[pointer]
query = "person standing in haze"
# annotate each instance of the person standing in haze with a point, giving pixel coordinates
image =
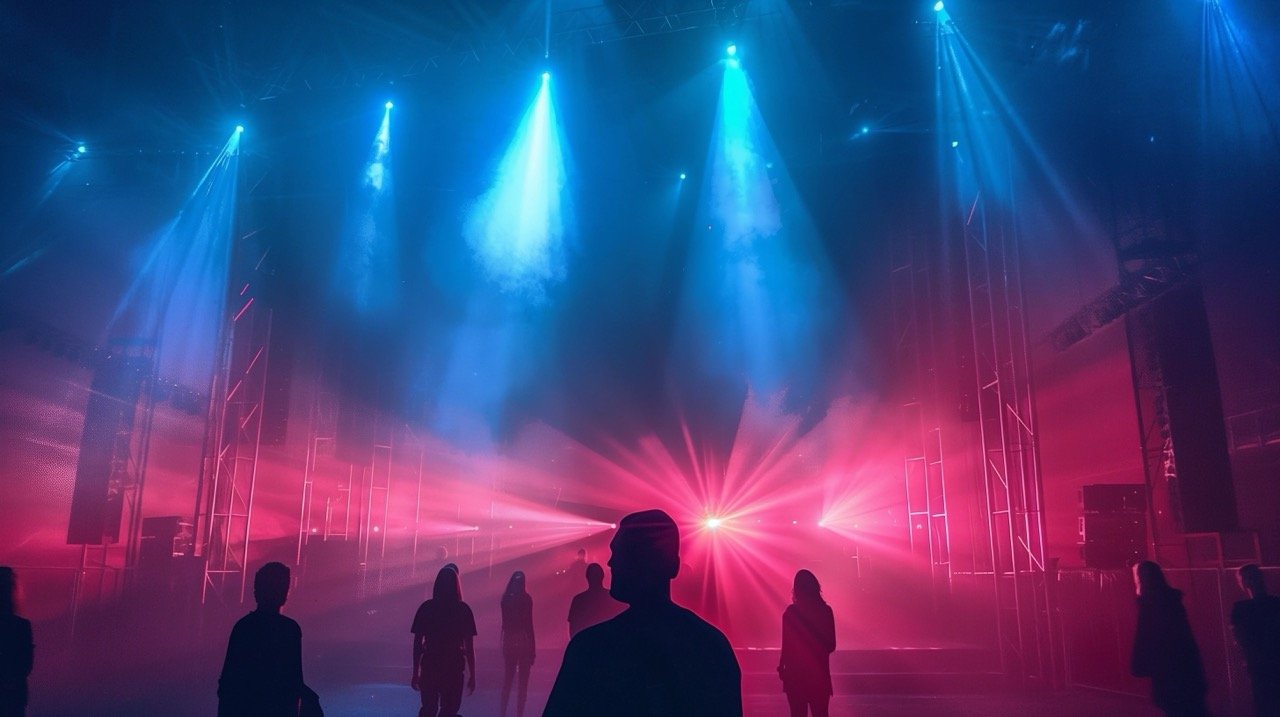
(593, 605)
(808, 639)
(1256, 624)
(17, 648)
(262, 673)
(1164, 648)
(656, 659)
(444, 631)
(518, 647)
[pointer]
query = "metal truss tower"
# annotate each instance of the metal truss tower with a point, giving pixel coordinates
(915, 349)
(224, 514)
(1008, 441)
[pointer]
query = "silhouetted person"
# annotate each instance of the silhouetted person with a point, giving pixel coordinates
(1256, 624)
(1164, 648)
(17, 649)
(593, 605)
(444, 630)
(262, 675)
(656, 658)
(518, 647)
(808, 639)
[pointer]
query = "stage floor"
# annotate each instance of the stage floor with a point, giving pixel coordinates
(393, 699)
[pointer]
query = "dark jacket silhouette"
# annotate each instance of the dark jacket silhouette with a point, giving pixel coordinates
(262, 673)
(1164, 648)
(808, 639)
(443, 650)
(1256, 624)
(17, 649)
(655, 659)
(593, 605)
(518, 645)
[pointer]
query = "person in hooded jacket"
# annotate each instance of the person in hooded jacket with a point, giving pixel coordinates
(1164, 649)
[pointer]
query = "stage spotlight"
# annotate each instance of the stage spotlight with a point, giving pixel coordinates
(712, 523)
(389, 104)
(731, 50)
(865, 129)
(239, 129)
(546, 76)
(81, 149)
(955, 143)
(938, 6)
(683, 175)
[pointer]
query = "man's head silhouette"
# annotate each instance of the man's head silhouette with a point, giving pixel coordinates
(595, 575)
(1252, 580)
(271, 586)
(645, 559)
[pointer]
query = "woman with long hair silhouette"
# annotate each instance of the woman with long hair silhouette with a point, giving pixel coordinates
(808, 639)
(1164, 648)
(518, 648)
(443, 647)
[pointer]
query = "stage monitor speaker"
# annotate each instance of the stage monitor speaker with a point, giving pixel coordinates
(1205, 496)
(1114, 524)
(97, 499)
(163, 538)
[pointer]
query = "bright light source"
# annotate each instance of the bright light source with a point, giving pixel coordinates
(81, 149)
(389, 104)
(712, 523)
(938, 6)
(731, 50)
(865, 129)
(683, 175)
(239, 128)
(546, 76)
(955, 143)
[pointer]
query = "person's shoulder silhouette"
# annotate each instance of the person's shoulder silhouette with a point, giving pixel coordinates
(655, 658)
(262, 673)
(17, 648)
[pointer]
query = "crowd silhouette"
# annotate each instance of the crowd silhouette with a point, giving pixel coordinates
(633, 651)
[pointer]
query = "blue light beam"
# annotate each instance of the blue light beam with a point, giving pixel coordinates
(368, 259)
(178, 298)
(1239, 92)
(759, 292)
(517, 228)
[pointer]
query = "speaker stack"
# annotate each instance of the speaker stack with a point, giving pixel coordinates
(1114, 525)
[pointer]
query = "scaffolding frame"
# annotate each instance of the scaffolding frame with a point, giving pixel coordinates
(924, 472)
(224, 514)
(1009, 442)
